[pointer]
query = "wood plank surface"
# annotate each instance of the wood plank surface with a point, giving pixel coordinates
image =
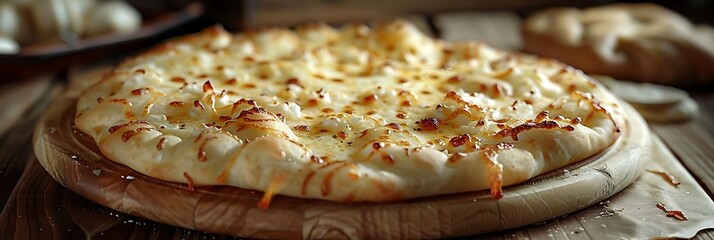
(32, 97)
(693, 141)
(41, 208)
(498, 29)
(19, 96)
(46, 210)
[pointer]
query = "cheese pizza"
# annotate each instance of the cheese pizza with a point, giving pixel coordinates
(348, 114)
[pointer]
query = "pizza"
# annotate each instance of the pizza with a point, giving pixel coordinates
(350, 114)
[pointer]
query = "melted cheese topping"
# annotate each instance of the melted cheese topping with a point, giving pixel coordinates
(359, 97)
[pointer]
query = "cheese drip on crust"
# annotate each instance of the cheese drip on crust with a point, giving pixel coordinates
(345, 114)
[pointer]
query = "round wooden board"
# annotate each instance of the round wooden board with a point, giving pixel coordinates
(75, 161)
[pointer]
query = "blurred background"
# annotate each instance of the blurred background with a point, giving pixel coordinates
(276, 12)
(56, 33)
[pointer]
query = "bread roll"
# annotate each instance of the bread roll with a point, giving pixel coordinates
(76, 10)
(51, 18)
(8, 46)
(642, 42)
(112, 16)
(13, 24)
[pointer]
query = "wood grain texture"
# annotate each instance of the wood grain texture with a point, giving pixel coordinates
(705, 235)
(41, 208)
(74, 161)
(16, 126)
(693, 141)
(705, 170)
(497, 29)
(17, 98)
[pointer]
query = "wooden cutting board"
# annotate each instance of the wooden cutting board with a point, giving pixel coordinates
(75, 161)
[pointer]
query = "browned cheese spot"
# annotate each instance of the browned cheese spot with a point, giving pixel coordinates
(325, 188)
(140, 91)
(201, 153)
(188, 178)
(456, 79)
(312, 102)
(302, 128)
(294, 81)
(513, 132)
(388, 159)
(207, 87)
(202, 156)
(363, 133)
(341, 135)
(303, 188)
(378, 145)
(429, 124)
(161, 144)
(178, 80)
(394, 126)
(131, 133)
(198, 104)
(176, 104)
(316, 159)
(120, 101)
(460, 140)
(572, 88)
(370, 99)
(115, 128)
(541, 116)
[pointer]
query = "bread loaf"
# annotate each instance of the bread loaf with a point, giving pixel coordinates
(642, 42)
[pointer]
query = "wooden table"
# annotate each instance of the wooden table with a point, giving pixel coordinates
(34, 206)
